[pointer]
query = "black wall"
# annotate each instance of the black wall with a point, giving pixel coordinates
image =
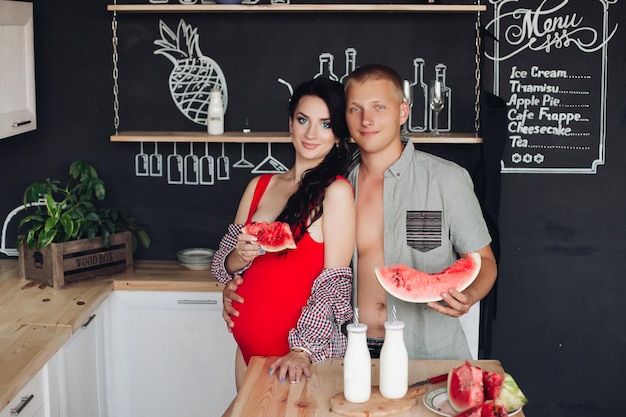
(558, 325)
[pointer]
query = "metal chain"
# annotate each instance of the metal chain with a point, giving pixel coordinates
(116, 101)
(477, 76)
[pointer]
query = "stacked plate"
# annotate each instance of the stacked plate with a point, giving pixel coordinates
(195, 258)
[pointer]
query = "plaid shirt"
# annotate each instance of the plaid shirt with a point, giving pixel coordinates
(319, 327)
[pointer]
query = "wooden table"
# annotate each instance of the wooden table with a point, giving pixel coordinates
(263, 395)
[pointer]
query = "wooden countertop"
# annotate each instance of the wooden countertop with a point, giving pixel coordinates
(263, 395)
(36, 321)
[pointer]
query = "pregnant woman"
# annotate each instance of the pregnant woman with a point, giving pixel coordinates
(296, 300)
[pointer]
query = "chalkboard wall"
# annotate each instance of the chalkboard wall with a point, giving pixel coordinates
(558, 326)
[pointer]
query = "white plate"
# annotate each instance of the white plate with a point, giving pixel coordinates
(195, 267)
(437, 402)
(195, 258)
(195, 253)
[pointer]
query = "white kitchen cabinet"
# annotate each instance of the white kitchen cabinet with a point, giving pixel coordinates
(17, 68)
(169, 354)
(76, 372)
(31, 401)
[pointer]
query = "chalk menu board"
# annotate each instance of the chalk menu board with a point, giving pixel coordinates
(549, 63)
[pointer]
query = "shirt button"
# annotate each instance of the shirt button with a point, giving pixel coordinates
(398, 174)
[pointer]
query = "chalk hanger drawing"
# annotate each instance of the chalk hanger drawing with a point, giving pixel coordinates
(194, 74)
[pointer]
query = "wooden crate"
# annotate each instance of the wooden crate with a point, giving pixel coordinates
(62, 263)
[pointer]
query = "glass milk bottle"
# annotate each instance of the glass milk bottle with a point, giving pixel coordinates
(394, 362)
(215, 116)
(357, 366)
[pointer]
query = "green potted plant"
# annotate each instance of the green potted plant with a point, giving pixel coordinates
(98, 240)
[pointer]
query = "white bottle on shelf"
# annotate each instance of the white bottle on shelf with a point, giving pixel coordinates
(215, 116)
(357, 366)
(394, 362)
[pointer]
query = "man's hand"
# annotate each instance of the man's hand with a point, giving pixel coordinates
(228, 296)
(454, 303)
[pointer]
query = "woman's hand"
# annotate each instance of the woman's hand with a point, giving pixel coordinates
(293, 365)
(247, 248)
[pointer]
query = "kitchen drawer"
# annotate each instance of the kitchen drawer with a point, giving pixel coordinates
(30, 401)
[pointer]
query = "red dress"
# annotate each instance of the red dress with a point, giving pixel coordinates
(275, 288)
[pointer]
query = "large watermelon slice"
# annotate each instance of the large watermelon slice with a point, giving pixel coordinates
(272, 237)
(415, 286)
(465, 387)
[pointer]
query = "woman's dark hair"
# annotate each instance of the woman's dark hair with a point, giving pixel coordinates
(307, 200)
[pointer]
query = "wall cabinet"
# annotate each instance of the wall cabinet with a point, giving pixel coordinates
(263, 137)
(169, 354)
(17, 68)
(76, 373)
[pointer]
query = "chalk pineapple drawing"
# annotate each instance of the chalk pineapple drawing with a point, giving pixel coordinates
(193, 75)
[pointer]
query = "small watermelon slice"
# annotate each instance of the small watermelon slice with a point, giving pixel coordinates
(415, 286)
(272, 237)
(465, 387)
(492, 383)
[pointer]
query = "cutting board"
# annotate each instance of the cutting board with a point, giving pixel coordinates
(377, 405)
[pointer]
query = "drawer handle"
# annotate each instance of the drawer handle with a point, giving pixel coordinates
(22, 123)
(85, 324)
(25, 400)
(197, 301)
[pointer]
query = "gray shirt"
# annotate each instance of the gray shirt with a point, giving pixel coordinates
(431, 215)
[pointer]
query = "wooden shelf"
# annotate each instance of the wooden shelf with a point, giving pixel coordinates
(295, 8)
(265, 137)
(283, 137)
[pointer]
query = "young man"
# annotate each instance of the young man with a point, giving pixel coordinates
(412, 208)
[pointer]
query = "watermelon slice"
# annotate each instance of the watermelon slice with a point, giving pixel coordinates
(272, 237)
(511, 396)
(486, 409)
(492, 383)
(465, 387)
(415, 286)
(499, 394)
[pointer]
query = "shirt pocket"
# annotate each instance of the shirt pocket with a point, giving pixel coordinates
(423, 230)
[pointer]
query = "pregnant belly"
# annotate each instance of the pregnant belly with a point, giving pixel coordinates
(266, 317)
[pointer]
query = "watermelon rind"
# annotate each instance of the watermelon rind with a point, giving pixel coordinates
(414, 286)
(271, 237)
(511, 397)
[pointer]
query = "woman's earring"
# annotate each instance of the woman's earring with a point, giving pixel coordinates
(337, 144)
